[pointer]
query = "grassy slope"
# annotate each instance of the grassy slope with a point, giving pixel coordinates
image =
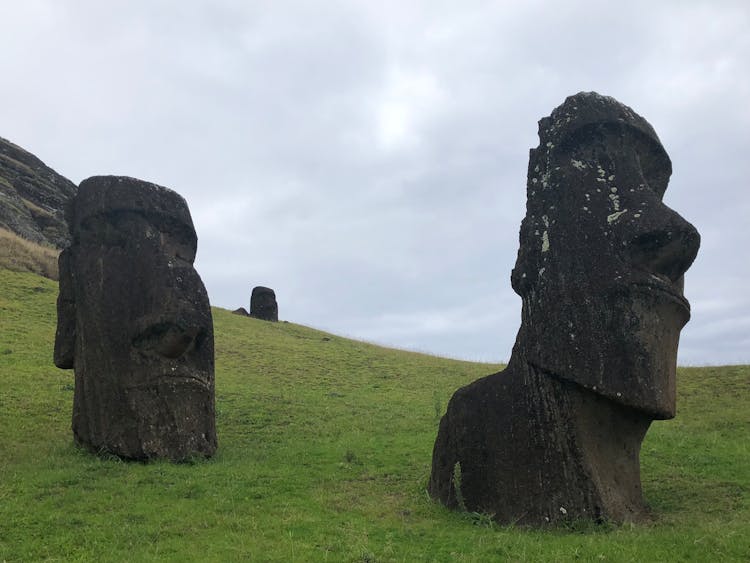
(324, 454)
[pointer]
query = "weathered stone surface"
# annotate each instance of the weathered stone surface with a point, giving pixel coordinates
(241, 311)
(134, 322)
(263, 304)
(32, 197)
(557, 434)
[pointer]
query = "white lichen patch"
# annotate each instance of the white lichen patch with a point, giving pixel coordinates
(611, 178)
(541, 271)
(579, 164)
(615, 216)
(545, 234)
(600, 171)
(615, 199)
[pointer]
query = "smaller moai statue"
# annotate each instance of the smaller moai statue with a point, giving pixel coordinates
(263, 304)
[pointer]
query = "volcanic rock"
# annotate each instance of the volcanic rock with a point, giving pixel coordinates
(32, 197)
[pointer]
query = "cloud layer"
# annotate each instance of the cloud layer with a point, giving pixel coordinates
(368, 160)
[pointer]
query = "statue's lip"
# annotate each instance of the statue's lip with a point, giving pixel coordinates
(180, 371)
(177, 376)
(182, 377)
(664, 286)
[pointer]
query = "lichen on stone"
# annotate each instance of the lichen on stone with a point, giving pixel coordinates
(615, 216)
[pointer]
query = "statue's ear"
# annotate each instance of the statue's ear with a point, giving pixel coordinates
(525, 274)
(65, 337)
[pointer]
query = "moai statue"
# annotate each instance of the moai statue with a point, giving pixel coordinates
(135, 324)
(557, 434)
(263, 304)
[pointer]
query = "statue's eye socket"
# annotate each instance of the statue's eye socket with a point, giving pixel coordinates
(179, 245)
(100, 230)
(178, 240)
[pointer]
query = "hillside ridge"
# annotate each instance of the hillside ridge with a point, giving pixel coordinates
(32, 197)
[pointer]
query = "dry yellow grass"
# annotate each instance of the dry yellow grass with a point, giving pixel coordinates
(21, 255)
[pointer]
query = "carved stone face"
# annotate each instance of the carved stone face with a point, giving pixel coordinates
(602, 257)
(143, 338)
(263, 304)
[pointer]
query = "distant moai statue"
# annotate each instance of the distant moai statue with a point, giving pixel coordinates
(263, 304)
(134, 323)
(557, 434)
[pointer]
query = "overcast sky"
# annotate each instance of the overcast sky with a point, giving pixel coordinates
(367, 160)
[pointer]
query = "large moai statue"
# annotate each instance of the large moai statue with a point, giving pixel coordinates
(263, 304)
(557, 434)
(134, 323)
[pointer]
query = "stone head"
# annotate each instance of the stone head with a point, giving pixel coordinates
(134, 322)
(601, 258)
(263, 304)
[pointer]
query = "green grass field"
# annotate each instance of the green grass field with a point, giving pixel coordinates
(324, 454)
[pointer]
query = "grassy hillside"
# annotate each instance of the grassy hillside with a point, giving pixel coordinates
(324, 454)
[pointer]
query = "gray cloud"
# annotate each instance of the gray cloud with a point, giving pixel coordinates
(368, 160)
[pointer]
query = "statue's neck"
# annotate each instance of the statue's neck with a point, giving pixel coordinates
(599, 436)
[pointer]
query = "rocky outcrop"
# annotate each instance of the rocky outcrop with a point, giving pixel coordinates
(32, 197)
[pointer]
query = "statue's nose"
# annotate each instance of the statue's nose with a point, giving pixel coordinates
(666, 248)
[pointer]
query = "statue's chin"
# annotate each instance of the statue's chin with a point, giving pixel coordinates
(622, 346)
